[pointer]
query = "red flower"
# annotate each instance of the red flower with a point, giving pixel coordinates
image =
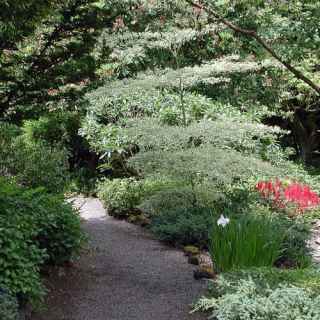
(282, 196)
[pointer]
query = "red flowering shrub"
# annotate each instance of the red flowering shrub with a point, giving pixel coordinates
(288, 195)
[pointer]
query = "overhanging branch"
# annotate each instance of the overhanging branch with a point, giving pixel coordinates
(253, 34)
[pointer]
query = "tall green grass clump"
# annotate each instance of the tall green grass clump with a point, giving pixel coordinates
(245, 241)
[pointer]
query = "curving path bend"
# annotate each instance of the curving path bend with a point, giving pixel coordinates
(125, 275)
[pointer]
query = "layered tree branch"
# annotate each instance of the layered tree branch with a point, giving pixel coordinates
(67, 14)
(253, 34)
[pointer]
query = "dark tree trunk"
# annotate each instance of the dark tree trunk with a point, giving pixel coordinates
(306, 130)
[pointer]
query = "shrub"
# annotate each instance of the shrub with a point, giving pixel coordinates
(36, 228)
(293, 197)
(59, 229)
(59, 130)
(245, 299)
(245, 241)
(266, 278)
(120, 195)
(118, 104)
(181, 214)
(8, 306)
(33, 164)
(168, 200)
(170, 116)
(163, 195)
(246, 137)
(55, 128)
(184, 226)
(295, 250)
(173, 208)
(219, 167)
(8, 132)
(38, 165)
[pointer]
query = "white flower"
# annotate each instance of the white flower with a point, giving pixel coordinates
(223, 221)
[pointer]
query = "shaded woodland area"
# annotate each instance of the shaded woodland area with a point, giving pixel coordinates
(195, 119)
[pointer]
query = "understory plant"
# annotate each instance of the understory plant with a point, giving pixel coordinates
(245, 241)
(266, 277)
(295, 250)
(37, 229)
(249, 298)
(32, 163)
(184, 226)
(8, 306)
(120, 195)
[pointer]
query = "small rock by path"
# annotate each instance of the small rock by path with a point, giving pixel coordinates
(126, 275)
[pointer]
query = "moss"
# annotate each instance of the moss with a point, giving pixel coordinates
(191, 250)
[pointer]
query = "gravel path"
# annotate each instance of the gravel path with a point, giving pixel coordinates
(125, 275)
(314, 242)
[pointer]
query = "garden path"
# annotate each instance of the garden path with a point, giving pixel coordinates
(125, 275)
(315, 242)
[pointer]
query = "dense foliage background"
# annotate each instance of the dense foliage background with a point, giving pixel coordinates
(171, 111)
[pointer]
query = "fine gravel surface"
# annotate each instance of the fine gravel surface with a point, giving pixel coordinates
(124, 275)
(314, 243)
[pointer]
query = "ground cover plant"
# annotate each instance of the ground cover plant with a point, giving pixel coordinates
(264, 295)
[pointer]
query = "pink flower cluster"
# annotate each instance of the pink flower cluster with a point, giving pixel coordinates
(284, 195)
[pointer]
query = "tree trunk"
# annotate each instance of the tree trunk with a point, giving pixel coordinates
(306, 131)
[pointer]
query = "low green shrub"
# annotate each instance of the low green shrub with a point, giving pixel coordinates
(245, 137)
(36, 228)
(54, 128)
(20, 257)
(245, 241)
(184, 226)
(245, 299)
(59, 131)
(8, 132)
(165, 201)
(268, 278)
(183, 215)
(171, 116)
(173, 208)
(218, 167)
(8, 306)
(162, 194)
(295, 251)
(120, 195)
(39, 165)
(33, 164)
(58, 228)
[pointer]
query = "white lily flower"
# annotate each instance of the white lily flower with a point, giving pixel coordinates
(223, 221)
